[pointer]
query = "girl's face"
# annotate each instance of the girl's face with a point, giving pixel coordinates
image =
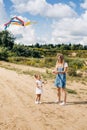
(60, 59)
(39, 77)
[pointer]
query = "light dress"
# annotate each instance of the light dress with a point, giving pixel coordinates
(60, 80)
(39, 89)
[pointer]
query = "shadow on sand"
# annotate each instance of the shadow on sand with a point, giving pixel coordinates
(69, 103)
(77, 102)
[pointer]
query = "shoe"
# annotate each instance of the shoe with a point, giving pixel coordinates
(39, 102)
(56, 101)
(62, 104)
(36, 102)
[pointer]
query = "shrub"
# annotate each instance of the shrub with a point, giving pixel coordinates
(76, 64)
(72, 72)
(70, 91)
(3, 53)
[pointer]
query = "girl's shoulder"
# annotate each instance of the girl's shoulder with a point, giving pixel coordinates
(38, 81)
(65, 64)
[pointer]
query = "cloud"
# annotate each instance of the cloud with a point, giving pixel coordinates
(84, 5)
(3, 16)
(60, 11)
(72, 4)
(64, 24)
(43, 8)
(24, 35)
(72, 30)
(3, 13)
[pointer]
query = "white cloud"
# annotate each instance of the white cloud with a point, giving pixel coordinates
(3, 15)
(72, 4)
(24, 35)
(32, 6)
(84, 4)
(1, 1)
(66, 27)
(70, 30)
(43, 8)
(60, 11)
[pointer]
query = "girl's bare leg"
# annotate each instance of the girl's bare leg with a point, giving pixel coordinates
(59, 94)
(64, 94)
(39, 98)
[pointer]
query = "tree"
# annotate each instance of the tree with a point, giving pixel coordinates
(21, 50)
(36, 54)
(37, 45)
(7, 39)
(3, 53)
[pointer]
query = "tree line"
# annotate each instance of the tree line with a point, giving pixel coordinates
(8, 47)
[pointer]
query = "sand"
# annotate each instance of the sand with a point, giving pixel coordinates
(19, 112)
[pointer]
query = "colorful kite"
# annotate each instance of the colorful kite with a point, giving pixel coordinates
(17, 21)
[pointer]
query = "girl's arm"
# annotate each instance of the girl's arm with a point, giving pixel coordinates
(65, 70)
(55, 71)
(44, 82)
(37, 85)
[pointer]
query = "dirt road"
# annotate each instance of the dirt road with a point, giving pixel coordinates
(19, 112)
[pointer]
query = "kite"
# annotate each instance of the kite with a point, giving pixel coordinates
(17, 21)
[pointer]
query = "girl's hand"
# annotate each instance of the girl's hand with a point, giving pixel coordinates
(44, 82)
(55, 72)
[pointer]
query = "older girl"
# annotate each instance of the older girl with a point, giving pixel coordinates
(60, 81)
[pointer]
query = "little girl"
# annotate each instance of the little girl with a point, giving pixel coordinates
(39, 88)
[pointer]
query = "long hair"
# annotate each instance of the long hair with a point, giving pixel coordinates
(61, 57)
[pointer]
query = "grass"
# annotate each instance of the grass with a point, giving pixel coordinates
(36, 62)
(70, 91)
(82, 80)
(10, 68)
(46, 75)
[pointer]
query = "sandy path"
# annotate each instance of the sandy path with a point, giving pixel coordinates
(22, 67)
(18, 111)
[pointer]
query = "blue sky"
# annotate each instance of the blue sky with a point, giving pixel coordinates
(58, 21)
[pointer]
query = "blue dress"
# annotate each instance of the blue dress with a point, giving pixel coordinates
(60, 80)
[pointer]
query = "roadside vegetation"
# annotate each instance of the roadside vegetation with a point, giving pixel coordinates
(44, 56)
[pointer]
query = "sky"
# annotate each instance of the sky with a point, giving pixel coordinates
(57, 21)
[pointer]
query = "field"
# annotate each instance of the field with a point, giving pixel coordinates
(19, 112)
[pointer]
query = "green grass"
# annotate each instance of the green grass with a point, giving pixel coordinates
(70, 91)
(46, 75)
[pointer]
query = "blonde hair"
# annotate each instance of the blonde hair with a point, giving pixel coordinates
(61, 57)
